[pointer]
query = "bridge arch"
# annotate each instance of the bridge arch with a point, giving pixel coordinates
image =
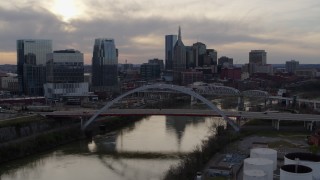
(163, 86)
(211, 89)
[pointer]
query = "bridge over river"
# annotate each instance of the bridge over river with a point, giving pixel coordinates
(309, 119)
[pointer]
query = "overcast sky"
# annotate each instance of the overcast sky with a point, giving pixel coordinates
(286, 29)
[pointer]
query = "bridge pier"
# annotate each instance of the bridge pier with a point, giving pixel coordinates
(238, 120)
(240, 103)
(193, 101)
(276, 124)
(308, 125)
(314, 105)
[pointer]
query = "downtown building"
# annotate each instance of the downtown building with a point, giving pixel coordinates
(292, 66)
(104, 65)
(31, 65)
(189, 59)
(225, 61)
(179, 59)
(258, 63)
(65, 75)
(170, 41)
(150, 71)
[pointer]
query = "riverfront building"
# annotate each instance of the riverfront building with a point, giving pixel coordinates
(104, 64)
(31, 61)
(65, 74)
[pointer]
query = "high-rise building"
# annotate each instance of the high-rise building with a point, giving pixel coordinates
(150, 71)
(199, 53)
(179, 59)
(258, 57)
(292, 66)
(157, 61)
(170, 42)
(225, 61)
(104, 64)
(31, 60)
(210, 58)
(65, 74)
(189, 58)
(34, 76)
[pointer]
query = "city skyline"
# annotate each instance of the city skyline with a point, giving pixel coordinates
(286, 30)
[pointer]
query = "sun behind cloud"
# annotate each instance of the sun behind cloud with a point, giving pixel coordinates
(66, 9)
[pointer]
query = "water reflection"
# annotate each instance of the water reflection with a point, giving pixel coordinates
(126, 154)
(179, 124)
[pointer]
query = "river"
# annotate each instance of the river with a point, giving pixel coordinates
(142, 151)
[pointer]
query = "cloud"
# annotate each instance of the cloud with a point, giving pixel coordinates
(233, 28)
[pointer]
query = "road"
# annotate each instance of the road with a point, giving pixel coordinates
(188, 112)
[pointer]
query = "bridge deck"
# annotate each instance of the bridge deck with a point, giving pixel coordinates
(187, 112)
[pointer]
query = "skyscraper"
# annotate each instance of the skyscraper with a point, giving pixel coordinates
(170, 42)
(258, 57)
(104, 63)
(31, 60)
(65, 74)
(199, 52)
(179, 59)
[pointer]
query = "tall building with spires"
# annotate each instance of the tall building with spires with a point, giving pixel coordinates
(104, 64)
(179, 59)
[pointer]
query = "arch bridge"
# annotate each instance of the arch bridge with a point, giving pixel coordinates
(212, 89)
(181, 89)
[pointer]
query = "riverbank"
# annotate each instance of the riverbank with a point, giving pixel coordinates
(196, 160)
(227, 143)
(24, 137)
(233, 154)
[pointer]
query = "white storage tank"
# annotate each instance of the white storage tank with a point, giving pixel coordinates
(254, 174)
(306, 159)
(265, 153)
(295, 172)
(263, 164)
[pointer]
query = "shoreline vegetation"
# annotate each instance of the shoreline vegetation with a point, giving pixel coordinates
(196, 160)
(45, 140)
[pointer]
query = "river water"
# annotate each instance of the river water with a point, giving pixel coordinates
(143, 151)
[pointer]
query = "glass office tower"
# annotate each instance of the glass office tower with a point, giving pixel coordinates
(170, 42)
(31, 60)
(104, 63)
